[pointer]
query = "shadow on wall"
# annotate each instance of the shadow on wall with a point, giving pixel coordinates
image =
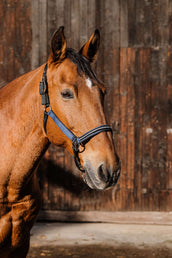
(63, 188)
(58, 177)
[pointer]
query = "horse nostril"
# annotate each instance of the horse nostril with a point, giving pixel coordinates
(103, 173)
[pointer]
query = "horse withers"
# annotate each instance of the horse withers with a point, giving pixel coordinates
(61, 103)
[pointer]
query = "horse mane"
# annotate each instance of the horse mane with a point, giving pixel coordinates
(82, 63)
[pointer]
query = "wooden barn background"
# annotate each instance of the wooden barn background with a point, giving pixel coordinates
(135, 62)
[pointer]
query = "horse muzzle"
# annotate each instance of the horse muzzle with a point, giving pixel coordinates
(102, 178)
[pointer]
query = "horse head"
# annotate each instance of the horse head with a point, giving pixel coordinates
(76, 97)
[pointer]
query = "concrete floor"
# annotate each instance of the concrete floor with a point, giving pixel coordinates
(96, 233)
(111, 240)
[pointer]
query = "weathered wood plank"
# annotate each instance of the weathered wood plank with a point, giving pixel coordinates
(52, 24)
(169, 120)
(169, 22)
(67, 21)
(147, 7)
(138, 88)
(75, 22)
(91, 16)
(83, 20)
(131, 23)
(130, 119)
(35, 34)
(111, 68)
(15, 42)
(123, 118)
(124, 23)
(43, 30)
(156, 110)
(99, 25)
(163, 22)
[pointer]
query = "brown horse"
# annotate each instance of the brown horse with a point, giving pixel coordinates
(72, 89)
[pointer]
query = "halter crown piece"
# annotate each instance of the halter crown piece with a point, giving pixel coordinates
(76, 141)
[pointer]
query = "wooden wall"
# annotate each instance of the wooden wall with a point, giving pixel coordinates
(135, 62)
(15, 39)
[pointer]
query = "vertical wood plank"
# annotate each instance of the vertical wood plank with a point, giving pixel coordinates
(138, 128)
(139, 23)
(35, 34)
(111, 53)
(131, 22)
(75, 21)
(52, 25)
(67, 21)
(83, 19)
(123, 23)
(99, 21)
(147, 23)
(123, 119)
(169, 120)
(43, 55)
(169, 22)
(91, 16)
(59, 13)
(15, 41)
(160, 22)
(163, 22)
(163, 117)
(130, 120)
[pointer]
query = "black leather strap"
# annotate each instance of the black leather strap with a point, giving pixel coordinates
(43, 89)
(45, 121)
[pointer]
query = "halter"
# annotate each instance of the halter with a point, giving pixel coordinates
(76, 141)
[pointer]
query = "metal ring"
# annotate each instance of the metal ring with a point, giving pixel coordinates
(45, 108)
(83, 148)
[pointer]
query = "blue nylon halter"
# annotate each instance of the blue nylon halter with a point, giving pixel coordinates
(76, 141)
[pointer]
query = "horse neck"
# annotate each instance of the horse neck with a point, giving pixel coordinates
(23, 113)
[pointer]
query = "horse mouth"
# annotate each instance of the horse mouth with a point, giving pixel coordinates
(91, 178)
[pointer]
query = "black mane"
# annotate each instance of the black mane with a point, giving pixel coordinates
(83, 65)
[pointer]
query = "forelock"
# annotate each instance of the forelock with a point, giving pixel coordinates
(83, 65)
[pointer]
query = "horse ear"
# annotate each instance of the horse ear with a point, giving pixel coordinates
(89, 50)
(58, 46)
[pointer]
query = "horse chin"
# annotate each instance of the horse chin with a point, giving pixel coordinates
(92, 184)
(92, 180)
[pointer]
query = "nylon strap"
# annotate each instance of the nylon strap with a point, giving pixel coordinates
(61, 126)
(87, 136)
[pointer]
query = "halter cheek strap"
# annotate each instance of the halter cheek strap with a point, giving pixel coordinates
(76, 141)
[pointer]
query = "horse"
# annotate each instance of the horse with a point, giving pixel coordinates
(60, 102)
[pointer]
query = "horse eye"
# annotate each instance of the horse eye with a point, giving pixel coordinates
(67, 94)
